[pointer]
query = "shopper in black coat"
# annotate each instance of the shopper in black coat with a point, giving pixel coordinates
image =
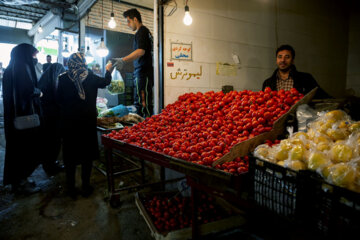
(76, 94)
(51, 119)
(22, 146)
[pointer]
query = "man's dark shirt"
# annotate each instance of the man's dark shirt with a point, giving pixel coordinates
(46, 66)
(303, 82)
(143, 40)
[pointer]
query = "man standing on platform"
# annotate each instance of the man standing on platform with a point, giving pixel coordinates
(143, 63)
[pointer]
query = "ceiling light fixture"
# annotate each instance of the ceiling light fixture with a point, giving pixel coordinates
(187, 18)
(40, 29)
(112, 22)
(88, 56)
(102, 50)
(66, 52)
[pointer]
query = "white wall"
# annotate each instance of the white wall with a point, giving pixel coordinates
(353, 65)
(253, 29)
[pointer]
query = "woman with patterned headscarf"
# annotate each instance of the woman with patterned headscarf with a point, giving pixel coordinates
(21, 97)
(76, 95)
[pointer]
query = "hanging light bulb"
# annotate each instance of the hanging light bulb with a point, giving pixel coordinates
(112, 23)
(66, 52)
(102, 50)
(187, 18)
(40, 29)
(88, 56)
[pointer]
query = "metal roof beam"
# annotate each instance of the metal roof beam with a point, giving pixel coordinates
(11, 18)
(20, 16)
(84, 6)
(26, 8)
(62, 4)
(20, 11)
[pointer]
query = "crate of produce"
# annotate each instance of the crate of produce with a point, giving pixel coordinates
(336, 210)
(279, 190)
(168, 215)
(328, 152)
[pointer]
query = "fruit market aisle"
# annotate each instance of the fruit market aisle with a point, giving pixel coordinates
(50, 214)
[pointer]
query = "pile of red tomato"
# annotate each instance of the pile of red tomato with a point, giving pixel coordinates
(202, 127)
(170, 214)
(237, 166)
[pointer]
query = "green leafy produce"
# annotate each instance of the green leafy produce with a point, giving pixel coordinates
(116, 87)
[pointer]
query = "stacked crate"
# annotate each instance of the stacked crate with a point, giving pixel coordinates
(127, 98)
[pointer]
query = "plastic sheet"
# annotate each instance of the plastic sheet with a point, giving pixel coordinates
(304, 115)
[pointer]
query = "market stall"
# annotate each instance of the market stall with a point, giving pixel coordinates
(216, 175)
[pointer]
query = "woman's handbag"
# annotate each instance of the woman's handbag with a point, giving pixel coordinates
(27, 121)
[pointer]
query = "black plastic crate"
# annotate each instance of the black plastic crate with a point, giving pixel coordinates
(281, 191)
(129, 83)
(129, 90)
(336, 210)
(129, 102)
(129, 76)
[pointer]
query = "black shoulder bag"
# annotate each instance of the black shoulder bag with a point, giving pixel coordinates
(27, 121)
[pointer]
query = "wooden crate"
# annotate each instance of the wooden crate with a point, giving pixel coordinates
(186, 233)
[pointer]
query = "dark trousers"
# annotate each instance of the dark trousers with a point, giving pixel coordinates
(70, 169)
(51, 142)
(145, 82)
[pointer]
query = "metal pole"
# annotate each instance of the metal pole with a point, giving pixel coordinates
(156, 58)
(60, 48)
(161, 56)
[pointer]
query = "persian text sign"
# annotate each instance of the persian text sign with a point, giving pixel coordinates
(181, 51)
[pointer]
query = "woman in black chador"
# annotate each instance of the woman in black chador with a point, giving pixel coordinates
(76, 94)
(21, 97)
(50, 125)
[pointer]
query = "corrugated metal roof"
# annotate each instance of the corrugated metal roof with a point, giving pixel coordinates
(32, 10)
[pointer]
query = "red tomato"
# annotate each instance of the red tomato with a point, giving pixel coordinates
(202, 127)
